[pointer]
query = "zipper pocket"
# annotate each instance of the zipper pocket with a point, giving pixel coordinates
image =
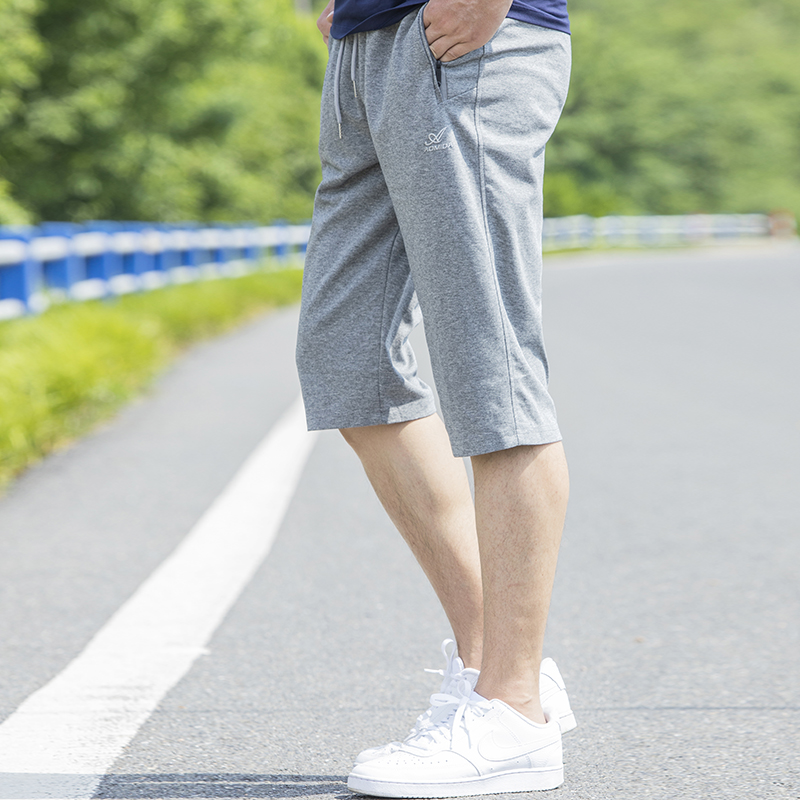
(441, 79)
(438, 70)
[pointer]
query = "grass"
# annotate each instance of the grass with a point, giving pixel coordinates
(66, 370)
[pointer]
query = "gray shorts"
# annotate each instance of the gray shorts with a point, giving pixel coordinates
(431, 203)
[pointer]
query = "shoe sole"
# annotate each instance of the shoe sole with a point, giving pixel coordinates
(501, 783)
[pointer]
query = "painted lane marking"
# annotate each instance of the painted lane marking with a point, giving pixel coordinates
(64, 737)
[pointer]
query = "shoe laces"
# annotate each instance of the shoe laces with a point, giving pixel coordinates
(454, 667)
(450, 676)
(447, 713)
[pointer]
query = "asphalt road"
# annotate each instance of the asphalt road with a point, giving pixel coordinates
(676, 613)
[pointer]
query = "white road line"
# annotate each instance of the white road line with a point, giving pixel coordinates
(64, 737)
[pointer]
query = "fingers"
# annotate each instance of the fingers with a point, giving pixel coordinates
(439, 41)
(454, 28)
(445, 47)
(325, 21)
(456, 51)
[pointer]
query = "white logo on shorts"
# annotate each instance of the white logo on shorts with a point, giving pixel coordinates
(434, 141)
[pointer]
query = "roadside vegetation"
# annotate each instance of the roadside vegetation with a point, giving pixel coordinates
(678, 108)
(73, 366)
(207, 110)
(158, 110)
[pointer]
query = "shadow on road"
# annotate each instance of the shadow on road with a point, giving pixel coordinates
(196, 784)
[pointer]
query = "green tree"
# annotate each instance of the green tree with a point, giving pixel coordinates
(21, 52)
(246, 132)
(679, 107)
(187, 109)
(208, 109)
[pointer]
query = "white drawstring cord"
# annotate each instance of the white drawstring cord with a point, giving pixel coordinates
(337, 107)
(353, 58)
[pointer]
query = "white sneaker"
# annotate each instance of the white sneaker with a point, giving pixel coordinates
(473, 746)
(552, 692)
(553, 696)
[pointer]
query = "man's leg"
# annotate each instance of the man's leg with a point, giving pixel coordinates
(425, 491)
(520, 501)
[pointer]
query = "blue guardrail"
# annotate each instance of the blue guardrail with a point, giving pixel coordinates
(59, 261)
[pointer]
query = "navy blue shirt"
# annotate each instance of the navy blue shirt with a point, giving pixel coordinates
(353, 16)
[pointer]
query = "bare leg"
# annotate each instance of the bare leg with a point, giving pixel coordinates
(425, 491)
(520, 499)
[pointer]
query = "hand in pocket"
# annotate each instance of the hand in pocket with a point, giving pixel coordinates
(454, 28)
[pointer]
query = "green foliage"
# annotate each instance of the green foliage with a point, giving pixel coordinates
(679, 107)
(74, 365)
(21, 52)
(208, 109)
(154, 110)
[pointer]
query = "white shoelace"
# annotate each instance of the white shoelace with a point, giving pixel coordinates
(449, 675)
(447, 713)
(454, 664)
(449, 695)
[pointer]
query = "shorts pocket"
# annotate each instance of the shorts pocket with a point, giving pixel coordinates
(461, 76)
(451, 78)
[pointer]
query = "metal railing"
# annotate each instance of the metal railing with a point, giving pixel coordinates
(568, 233)
(61, 261)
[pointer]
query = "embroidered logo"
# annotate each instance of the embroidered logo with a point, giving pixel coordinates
(434, 141)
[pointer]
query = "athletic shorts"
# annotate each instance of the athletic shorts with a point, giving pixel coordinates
(431, 206)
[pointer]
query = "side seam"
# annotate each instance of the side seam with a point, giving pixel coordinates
(382, 333)
(488, 236)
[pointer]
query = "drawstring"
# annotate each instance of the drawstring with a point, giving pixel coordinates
(353, 59)
(337, 71)
(337, 75)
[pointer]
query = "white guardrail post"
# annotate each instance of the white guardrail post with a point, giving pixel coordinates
(62, 261)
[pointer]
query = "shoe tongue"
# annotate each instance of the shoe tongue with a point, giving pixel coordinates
(480, 700)
(471, 675)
